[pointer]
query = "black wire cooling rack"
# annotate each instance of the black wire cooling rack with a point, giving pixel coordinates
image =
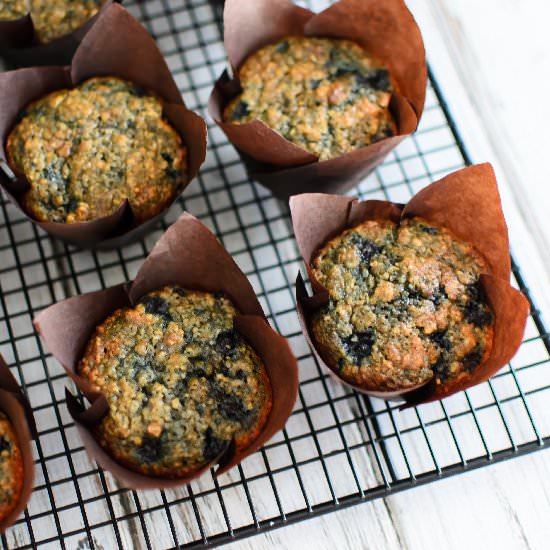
(338, 448)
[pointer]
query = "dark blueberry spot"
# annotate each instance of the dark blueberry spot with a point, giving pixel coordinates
(341, 363)
(201, 408)
(53, 175)
(282, 47)
(213, 446)
(441, 367)
(438, 295)
(21, 115)
(171, 172)
(167, 157)
(157, 306)
(429, 230)
(359, 346)
(441, 338)
(4, 444)
(368, 249)
(379, 79)
(138, 91)
(72, 205)
(226, 342)
(314, 84)
(241, 375)
(476, 310)
(229, 405)
(414, 295)
(151, 450)
(473, 359)
(179, 291)
(241, 110)
(218, 294)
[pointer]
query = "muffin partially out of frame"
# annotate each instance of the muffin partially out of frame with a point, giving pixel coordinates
(11, 468)
(326, 95)
(51, 18)
(181, 383)
(405, 306)
(87, 150)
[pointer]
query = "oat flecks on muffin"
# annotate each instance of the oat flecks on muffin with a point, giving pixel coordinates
(85, 151)
(325, 95)
(11, 468)
(405, 305)
(180, 381)
(51, 18)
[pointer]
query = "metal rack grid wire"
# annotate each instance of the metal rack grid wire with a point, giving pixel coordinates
(338, 448)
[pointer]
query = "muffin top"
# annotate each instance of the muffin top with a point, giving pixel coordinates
(406, 305)
(180, 381)
(85, 151)
(11, 468)
(326, 95)
(51, 18)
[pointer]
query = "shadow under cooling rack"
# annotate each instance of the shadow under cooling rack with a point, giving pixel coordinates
(338, 448)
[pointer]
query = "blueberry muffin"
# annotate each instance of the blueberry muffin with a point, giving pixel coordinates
(11, 468)
(406, 306)
(51, 18)
(180, 381)
(85, 151)
(326, 95)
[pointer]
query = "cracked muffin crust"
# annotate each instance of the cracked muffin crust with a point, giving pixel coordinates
(325, 95)
(11, 468)
(406, 305)
(51, 18)
(85, 151)
(180, 381)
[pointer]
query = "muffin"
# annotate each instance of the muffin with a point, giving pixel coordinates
(11, 468)
(181, 383)
(326, 95)
(87, 150)
(51, 18)
(405, 307)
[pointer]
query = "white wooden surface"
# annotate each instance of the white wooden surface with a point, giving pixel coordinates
(492, 58)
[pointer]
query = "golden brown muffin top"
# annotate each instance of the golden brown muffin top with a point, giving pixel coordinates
(326, 95)
(51, 18)
(406, 305)
(180, 381)
(85, 151)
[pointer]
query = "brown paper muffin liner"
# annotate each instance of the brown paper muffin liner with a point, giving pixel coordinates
(20, 48)
(466, 202)
(385, 28)
(116, 45)
(188, 255)
(16, 407)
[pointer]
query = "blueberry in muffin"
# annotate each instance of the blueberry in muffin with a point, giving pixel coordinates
(405, 305)
(326, 95)
(51, 18)
(181, 383)
(11, 468)
(87, 150)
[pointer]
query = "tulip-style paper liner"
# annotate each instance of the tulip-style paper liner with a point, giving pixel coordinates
(190, 256)
(19, 46)
(466, 202)
(117, 45)
(385, 28)
(15, 406)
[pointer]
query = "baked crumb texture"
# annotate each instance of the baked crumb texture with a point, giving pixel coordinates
(85, 151)
(327, 96)
(51, 18)
(406, 306)
(11, 468)
(180, 381)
